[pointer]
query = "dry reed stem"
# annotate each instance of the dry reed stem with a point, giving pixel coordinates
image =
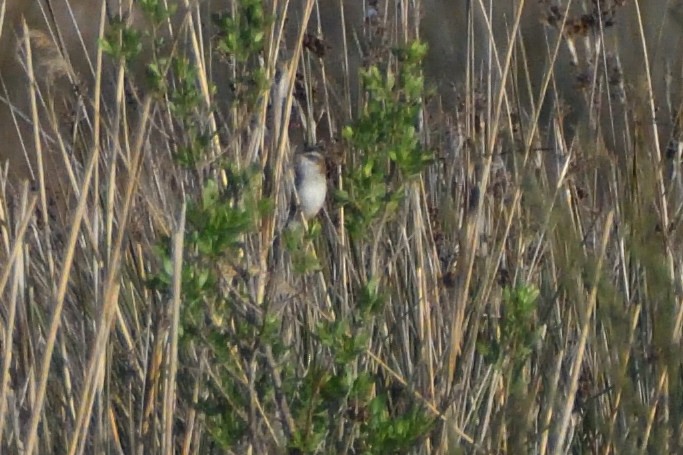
(279, 146)
(195, 38)
(111, 288)
(31, 437)
(583, 338)
(625, 357)
(172, 354)
(469, 246)
(13, 263)
(538, 232)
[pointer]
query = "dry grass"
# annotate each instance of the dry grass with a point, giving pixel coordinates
(529, 278)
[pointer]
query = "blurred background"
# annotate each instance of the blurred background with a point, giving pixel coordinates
(445, 26)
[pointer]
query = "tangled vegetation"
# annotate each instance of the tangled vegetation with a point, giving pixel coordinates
(499, 276)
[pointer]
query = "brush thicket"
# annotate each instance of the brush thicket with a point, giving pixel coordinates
(493, 272)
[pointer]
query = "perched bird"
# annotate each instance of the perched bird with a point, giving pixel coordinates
(310, 181)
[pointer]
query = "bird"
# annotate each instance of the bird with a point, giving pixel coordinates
(310, 182)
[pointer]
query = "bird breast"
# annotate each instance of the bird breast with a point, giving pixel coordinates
(311, 187)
